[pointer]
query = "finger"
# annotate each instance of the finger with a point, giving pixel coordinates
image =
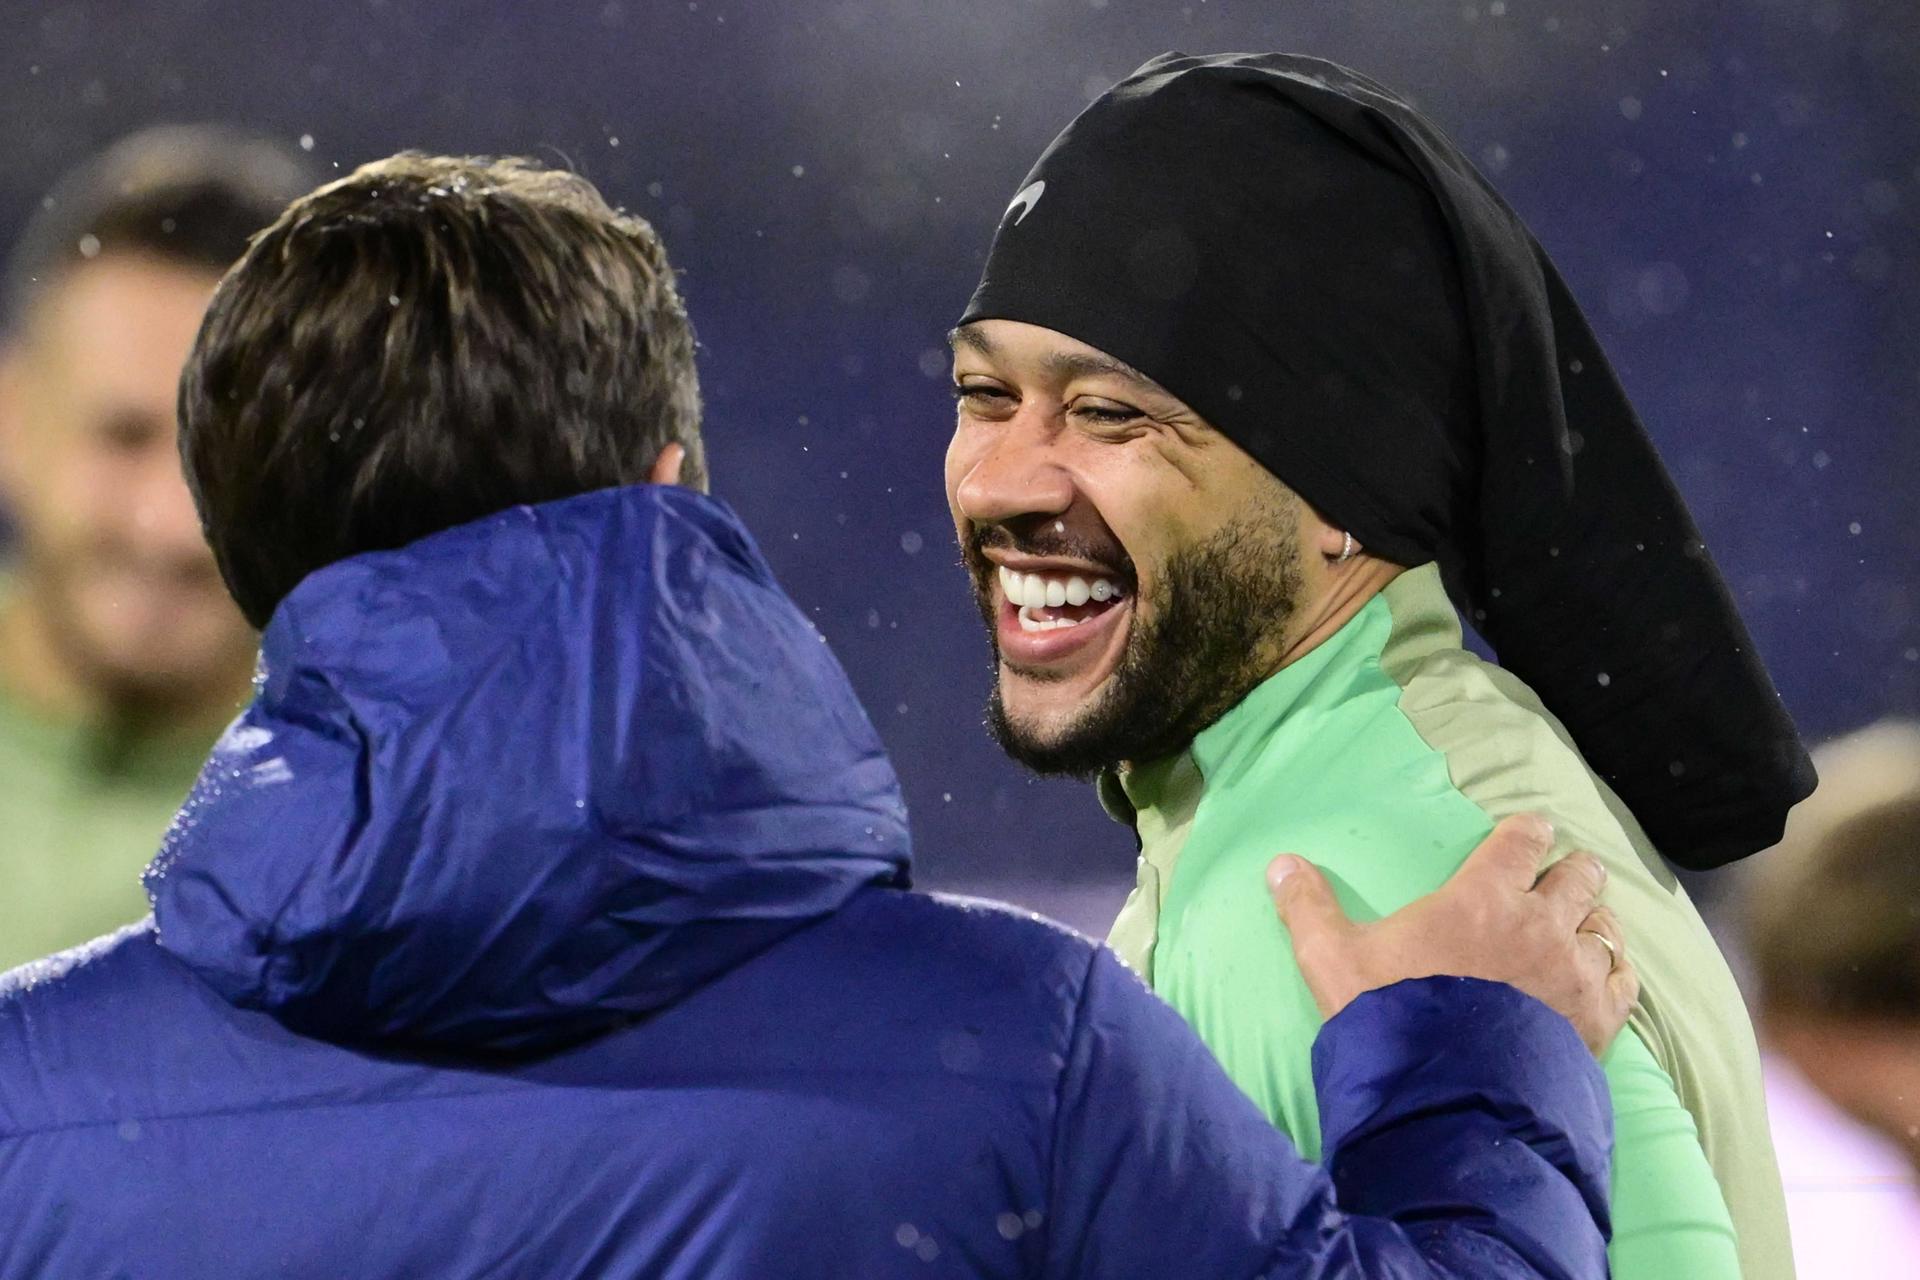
(1602, 921)
(1511, 855)
(1598, 938)
(1306, 903)
(1594, 952)
(1571, 887)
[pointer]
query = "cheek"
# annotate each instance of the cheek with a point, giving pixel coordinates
(1150, 513)
(66, 488)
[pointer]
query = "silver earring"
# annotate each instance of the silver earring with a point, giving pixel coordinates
(1347, 550)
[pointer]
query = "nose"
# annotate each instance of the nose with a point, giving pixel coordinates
(1016, 473)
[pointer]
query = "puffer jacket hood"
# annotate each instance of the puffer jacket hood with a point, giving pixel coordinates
(527, 780)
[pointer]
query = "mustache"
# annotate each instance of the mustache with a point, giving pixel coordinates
(1043, 539)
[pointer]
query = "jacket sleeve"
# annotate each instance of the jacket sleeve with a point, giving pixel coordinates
(1467, 1136)
(1671, 1220)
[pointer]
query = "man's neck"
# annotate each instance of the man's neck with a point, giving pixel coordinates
(1347, 591)
(39, 673)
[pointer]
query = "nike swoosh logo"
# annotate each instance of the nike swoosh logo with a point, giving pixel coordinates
(1028, 197)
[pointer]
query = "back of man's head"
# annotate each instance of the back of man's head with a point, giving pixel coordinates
(420, 344)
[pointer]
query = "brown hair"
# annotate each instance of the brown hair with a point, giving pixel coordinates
(1835, 932)
(184, 194)
(425, 342)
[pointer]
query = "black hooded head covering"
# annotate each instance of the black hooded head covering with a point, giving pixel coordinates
(1310, 264)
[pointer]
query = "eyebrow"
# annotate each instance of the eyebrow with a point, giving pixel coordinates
(1061, 364)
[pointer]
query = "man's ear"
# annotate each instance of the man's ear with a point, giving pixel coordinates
(666, 467)
(1320, 533)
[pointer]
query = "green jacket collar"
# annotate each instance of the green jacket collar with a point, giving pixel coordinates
(1410, 619)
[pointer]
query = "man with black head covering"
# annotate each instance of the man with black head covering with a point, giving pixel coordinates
(1259, 373)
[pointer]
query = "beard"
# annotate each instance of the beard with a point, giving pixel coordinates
(141, 672)
(1210, 632)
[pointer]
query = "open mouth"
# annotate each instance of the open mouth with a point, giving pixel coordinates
(1061, 621)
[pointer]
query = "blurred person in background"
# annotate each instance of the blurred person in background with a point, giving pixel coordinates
(547, 912)
(1260, 378)
(1832, 931)
(121, 655)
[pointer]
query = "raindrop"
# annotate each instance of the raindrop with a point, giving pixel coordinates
(306, 142)
(911, 542)
(1662, 288)
(851, 284)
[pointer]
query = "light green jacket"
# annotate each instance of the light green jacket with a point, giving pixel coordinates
(1385, 755)
(82, 812)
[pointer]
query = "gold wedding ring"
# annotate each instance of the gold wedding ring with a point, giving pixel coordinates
(1607, 943)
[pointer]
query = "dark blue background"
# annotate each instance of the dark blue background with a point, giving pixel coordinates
(1731, 189)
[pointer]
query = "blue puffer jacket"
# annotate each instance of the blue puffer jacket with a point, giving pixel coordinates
(545, 916)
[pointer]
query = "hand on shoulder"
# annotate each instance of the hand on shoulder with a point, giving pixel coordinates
(1498, 918)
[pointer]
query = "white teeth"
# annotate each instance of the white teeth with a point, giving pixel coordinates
(1037, 591)
(1031, 623)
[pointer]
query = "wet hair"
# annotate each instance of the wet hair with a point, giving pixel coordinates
(188, 195)
(425, 342)
(1835, 932)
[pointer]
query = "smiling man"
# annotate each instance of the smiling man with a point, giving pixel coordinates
(121, 656)
(1258, 373)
